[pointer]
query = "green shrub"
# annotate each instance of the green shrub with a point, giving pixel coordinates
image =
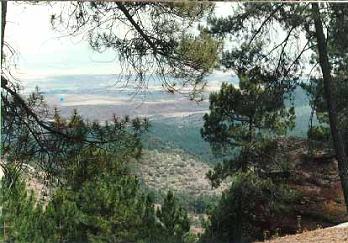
(319, 133)
(249, 204)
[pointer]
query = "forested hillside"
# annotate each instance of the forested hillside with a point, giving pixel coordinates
(211, 122)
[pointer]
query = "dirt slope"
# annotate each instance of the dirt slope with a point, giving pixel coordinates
(314, 174)
(328, 235)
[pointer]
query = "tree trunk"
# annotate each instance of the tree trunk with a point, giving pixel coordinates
(331, 101)
(3, 23)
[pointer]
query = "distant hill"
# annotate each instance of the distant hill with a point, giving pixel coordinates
(176, 121)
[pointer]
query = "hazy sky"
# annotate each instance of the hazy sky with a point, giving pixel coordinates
(43, 52)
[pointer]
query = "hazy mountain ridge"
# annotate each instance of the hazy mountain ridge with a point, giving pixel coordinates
(176, 121)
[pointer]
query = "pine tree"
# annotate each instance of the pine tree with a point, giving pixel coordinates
(246, 120)
(173, 219)
(98, 199)
(319, 24)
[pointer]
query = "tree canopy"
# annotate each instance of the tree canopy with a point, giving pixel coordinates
(156, 40)
(301, 28)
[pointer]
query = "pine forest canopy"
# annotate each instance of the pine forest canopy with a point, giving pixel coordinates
(186, 41)
(150, 38)
(158, 41)
(161, 45)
